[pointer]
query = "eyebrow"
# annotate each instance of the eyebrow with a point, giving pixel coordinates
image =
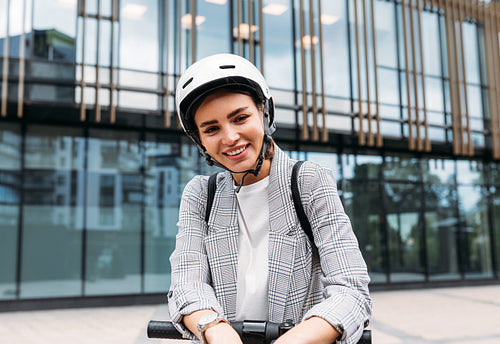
(231, 114)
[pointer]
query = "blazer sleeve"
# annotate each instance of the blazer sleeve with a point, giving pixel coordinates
(347, 304)
(190, 288)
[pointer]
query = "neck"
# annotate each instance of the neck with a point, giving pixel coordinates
(250, 178)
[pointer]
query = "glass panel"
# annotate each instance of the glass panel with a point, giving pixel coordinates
(441, 228)
(362, 201)
(278, 48)
(475, 250)
(328, 160)
(389, 93)
(335, 60)
(52, 212)
(470, 172)
(114, 213)
(386, 34)
(401, 168)
(434, 98)
(471, 55)
(404, 230)
(162, 193)
(139, 33)
(10, 195)
(496, 226)
(54, 25)
(3, 26)
(212, 19)
(431, 44)
(361, 166)
(438, 171)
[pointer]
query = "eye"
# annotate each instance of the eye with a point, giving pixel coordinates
(241, 118)
(211, 129)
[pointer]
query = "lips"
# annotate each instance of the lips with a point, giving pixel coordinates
(235, 152)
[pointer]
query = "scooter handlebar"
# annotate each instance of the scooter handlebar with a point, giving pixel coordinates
(251, 332)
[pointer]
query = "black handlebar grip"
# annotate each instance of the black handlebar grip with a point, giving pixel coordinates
(366, 338)
(163, 329)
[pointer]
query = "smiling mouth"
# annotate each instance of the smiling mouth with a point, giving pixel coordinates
(236, 151)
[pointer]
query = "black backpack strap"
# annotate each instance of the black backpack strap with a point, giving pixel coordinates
(297, 202)
(212, 186)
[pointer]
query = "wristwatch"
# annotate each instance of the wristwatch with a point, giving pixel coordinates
(207, 321)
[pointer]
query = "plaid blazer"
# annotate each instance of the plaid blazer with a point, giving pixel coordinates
(332, 284)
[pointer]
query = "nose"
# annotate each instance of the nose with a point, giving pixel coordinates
(231, 136)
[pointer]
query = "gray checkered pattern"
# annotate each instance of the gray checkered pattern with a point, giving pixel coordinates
(333, 286)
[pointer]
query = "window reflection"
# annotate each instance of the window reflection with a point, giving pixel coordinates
(139, 34)
(278, 49)
(114, 205)
(10, 196)
(212, 34)
(52, 212)
(162, 198)
(496, 224)
(361, 166)
(328, 160)
(336, 62)
(475, 249)
(404, 231)
(438, 171)
(363, 205)
(470, 172)
(401, 168)
(441, 225)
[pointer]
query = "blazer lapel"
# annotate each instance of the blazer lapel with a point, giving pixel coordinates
(282, 238)
(222, 245)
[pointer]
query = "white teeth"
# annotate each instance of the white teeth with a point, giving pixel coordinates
(238, 151)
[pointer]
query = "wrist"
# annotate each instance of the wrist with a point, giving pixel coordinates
(219, 330)
(208, 321)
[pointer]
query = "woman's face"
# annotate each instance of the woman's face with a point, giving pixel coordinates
(231, 129)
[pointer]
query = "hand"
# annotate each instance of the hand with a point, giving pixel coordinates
(222, 333)
(314, 330)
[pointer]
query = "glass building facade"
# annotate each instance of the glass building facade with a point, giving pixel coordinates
(401, 99)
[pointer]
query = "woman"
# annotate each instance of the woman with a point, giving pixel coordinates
(252, 260)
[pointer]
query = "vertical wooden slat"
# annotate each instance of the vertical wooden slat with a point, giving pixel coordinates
(251, 44)
(5, 70)
(374, 39)
(83, 84)
(314, 134)
(427, 142)
(367, 73)
(453, 74)
(324, 130)
(495, 12)
(469, 149)
(361, 134)
(22, 60)
(305, 130)
(238, 29)
(407, 74)
(97, 65)
(112, 86)
(490, 75)
(261, 37)
(193, 31)
(458, 115)
(489, 33)
(166, 111)
(415, 76)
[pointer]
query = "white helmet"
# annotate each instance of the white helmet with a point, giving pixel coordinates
(221, 71)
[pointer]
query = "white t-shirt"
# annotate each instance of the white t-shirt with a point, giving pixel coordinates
(253, 274)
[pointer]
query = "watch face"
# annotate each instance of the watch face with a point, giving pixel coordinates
(207, 319)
